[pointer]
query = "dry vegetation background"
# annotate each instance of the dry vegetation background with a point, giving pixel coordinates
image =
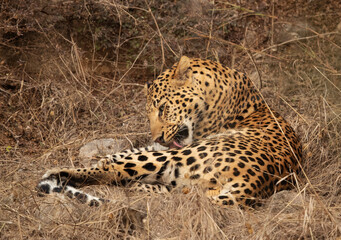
(73, 71)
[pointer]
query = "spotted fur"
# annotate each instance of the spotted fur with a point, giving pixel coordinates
(218, 132)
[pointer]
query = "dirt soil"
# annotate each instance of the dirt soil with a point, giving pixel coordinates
(73, 71)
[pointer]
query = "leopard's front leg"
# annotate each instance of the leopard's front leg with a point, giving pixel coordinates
(116, 169)
(102, 173)
(67, 181)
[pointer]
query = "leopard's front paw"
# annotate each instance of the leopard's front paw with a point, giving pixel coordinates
(61, 181)
(51, 181)
(55, 173)
(46, 185)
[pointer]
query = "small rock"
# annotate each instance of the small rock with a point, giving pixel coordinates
(102, 147)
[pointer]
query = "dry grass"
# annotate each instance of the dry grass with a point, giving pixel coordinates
(67, 80)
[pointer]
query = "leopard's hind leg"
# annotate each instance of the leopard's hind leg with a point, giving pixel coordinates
(230, 194)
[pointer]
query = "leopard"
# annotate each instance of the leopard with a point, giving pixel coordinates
(211, 128)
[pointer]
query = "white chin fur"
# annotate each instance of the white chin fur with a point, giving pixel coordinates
(159, 147)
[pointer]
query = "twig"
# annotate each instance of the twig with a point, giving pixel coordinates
(255, 65)
(118, 39)
(272, 22)
(299, 39)
(160, 35)
(200, 34)
(328, 79)
(3, 90)
(211, 30)
(132, 65)
(19, 226)
(246, 10)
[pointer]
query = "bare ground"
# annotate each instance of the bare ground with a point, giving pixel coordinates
(73, 71)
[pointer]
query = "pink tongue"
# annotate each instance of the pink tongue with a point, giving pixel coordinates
(177, 144)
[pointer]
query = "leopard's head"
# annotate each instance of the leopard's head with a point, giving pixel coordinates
(174, 104)
(197, 98)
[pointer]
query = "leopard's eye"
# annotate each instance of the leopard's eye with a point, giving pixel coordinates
(161, 109)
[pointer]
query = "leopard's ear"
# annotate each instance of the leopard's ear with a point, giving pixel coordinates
(181, 70)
